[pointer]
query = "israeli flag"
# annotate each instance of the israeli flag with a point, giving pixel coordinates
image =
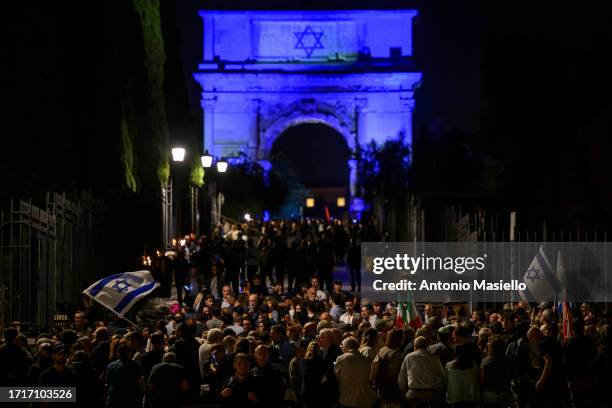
(119, 292)
(542, 283)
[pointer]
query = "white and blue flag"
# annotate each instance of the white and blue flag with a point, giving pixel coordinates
(120, 292)
(542, 283)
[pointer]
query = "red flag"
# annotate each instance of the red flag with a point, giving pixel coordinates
(327, 216)
(567, 321)
(399, 319)
(414, 319)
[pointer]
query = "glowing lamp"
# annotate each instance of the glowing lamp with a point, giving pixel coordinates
(207, 160)
(310, 202)
(341, 202)
(178, 154)
(221, 166)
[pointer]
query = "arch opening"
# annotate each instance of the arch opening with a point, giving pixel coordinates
(317, 155)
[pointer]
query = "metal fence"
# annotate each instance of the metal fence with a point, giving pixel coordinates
(48, 254)
(424, 217)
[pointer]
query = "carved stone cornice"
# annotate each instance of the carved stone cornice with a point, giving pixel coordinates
(406, 104)
(208, 102)
(258, 82)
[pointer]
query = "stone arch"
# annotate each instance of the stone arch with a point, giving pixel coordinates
(295, 117)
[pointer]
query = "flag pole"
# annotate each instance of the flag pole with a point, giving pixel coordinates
(512, 254)
(121, 317)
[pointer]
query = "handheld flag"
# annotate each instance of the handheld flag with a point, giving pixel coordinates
(565, 305)
(414, 319)
(119, 292)
(542, 284)
(408, 314)
(399, 319)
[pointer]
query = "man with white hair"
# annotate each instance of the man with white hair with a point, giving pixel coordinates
(421, 376)
(213, 337)
(353, 373)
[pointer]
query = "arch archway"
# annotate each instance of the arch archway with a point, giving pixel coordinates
(318, 155)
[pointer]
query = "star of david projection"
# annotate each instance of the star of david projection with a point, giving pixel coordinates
(533, 274)
(308, 40)
(121, 285)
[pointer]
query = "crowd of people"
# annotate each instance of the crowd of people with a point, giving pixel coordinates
(261, 322)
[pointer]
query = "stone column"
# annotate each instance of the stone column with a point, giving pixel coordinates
(360, 106)
(406, 108)
(254, 109)
(208, 104)
(352, 163)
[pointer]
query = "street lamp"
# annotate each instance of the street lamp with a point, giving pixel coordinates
(207, 160)
(310, 202)
(222, 166)
(340, 201)
(178, 154)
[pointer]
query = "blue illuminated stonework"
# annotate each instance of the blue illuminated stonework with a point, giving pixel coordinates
(264, 71)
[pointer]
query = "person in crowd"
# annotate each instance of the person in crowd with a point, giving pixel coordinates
(578, 353)
(264, 375)
(59, 375)
(350, 317)
(240, 390)
(135, 340)
(283, 345)
(101, 350)
(421, 376)
(214, 283)
(295, 376)
(443, 348)
(385, 370)
(353, 260)
(352, 371)
(186, 349)
(463, 337)
(87, 382)
(462, 379)
(213, 336)
(369, 343)
(42, 360)
(495, 376)
(599, 371)
(217, 369)
(153, 357)
(368, 315)
(551, 387)
(522, 372)
(313, 370)
(226, 301)
(215, 321)
(123, 379)
(166, 383)
(14, 360)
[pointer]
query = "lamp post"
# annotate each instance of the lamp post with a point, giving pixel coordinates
(178, 157)
(214, 200)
